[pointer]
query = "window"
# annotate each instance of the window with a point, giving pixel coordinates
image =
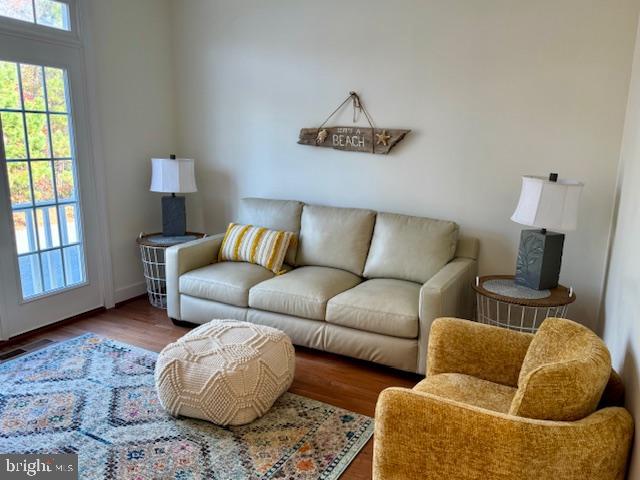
(37, 137)
(49, 13)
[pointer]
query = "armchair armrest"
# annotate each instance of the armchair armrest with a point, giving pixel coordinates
(419, 435)
(483, 351)
(447, 294)
(183, 258)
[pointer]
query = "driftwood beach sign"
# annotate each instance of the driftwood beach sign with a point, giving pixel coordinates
(353, 139)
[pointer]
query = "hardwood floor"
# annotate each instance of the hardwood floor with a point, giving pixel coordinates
(333, 379)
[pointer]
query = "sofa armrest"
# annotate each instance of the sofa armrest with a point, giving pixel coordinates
(183, 258)
(419, 435)
(483, 351)
(447, 294)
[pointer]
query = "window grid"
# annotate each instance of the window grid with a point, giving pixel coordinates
(63, 243)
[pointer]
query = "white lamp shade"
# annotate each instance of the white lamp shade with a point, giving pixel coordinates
(173, 175)
(547, 204)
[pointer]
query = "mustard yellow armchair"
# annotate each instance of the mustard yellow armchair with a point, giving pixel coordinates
(499, 404)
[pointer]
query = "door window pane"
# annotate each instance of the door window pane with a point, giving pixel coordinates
(25, 231)
(52, 271)
(32, 87)
(42, 178)
(30, 275)
(56, 95)
(48, 13)
(10, 92)
(38, 135)
(41, 170)
(60, 136)
(74, 264)
(69, 225)
(65, 187)
(13, 135)
(48, 233)
(19, 184)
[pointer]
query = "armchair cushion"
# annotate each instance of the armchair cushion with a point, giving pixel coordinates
(469, 390)
(564, 373)
(303, 292)
(226, 282)
(382, 305)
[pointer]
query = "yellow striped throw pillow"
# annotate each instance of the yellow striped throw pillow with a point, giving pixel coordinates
(259, 245)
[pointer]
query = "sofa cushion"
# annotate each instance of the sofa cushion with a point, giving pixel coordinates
(410, 248)
(335, 237)
(383, 305)
(303, 292)
(276, 215)
(226, 282)
(469, 390)
(563, 374)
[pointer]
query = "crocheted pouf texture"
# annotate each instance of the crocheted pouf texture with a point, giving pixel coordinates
(225, 371)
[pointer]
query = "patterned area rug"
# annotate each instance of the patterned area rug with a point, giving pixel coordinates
(96, 397)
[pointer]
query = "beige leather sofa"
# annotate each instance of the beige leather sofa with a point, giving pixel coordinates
(359, 283)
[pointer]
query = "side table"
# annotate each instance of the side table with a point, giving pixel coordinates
(152, 250)
(503, 303)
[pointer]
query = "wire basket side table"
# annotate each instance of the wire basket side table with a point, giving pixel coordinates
(523, 313)
(152, 253)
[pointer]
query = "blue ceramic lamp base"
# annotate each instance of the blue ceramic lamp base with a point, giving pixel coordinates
(174, 216)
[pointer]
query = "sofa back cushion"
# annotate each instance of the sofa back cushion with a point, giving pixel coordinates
(564, 373)
(335, 237)
(410, 248)
(276, 215)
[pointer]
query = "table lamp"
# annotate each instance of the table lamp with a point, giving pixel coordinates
(173, 175)
(547, 204)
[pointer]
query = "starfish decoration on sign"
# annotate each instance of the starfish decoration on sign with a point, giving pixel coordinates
(383, 138)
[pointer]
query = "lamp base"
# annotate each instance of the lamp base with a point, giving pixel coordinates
(174, 216)
(539, 259)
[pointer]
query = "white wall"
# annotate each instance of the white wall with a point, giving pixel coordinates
(621, 312)
(492, 90)
(130, 59)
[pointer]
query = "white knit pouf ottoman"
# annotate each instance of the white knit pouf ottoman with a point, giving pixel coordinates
(225, 371)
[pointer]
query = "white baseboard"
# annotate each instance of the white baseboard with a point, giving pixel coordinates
(130, 291)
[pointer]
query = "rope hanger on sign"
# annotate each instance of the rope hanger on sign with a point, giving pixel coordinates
(358, 108)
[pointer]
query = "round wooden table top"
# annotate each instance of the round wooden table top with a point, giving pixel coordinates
(147, 239)
(560, 295)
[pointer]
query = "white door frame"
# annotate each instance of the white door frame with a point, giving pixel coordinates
(85, 92)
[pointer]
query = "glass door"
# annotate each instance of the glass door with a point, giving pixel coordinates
(48, 227)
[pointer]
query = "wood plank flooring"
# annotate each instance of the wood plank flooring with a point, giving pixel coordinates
(333, 379)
